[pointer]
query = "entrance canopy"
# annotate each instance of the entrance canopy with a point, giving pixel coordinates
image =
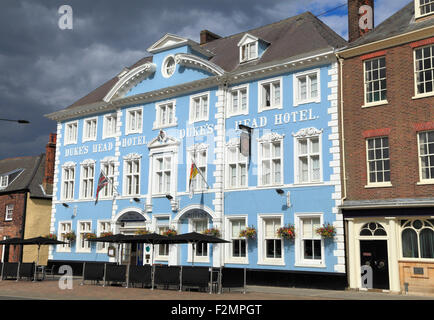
(131, 216)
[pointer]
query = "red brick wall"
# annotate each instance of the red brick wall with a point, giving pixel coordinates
(401, 118)
(354, 30)
(12, 228)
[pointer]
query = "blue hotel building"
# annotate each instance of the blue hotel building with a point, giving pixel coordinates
(184, 103)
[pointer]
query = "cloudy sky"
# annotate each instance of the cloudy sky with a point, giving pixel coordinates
(45, 69)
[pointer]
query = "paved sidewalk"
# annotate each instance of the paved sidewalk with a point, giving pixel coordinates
(49, 290)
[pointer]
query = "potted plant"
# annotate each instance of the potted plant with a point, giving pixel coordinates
(142, 232)
(106, 234)
(51, 236)
(326, 231)
(89, 235)
(212, 232)
(248, 233)
(70, 236)
(287, 232)
(170, 232)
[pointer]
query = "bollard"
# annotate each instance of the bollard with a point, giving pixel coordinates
(84, 269)
(18, 271)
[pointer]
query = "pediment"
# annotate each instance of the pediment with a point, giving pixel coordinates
(167, 42)
(247, 38)
(162, 140)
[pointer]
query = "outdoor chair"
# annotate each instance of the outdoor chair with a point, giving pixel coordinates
(140, 275)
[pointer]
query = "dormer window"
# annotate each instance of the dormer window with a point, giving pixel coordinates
(4, 181)
(424, 7)
(248, 48)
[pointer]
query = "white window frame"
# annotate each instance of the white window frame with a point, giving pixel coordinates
(71, 182)
(89, 194)
(129, 112)
(270, 82)
(87, 244)
(164, 68)
(247, 41)
(299, 244)
(158, 124)
(417, 10)
(262, 254)
(202, 259)
(9, 212)
(157, 227)
(192, 114)
(193, 150)
(383, 183)
(365, 82)
(110, 122)
(271, 139)
(63, 247)
(164, 156)
(103, 246)
(296, 87)
(421, 179)
(307, 134)
(4, 180)
(241, 160)
(237, 90)
(229, 251)
(416, 93)
(109, 190)
(131, 158)
(68, 127)
(90, 129)
(410, 221)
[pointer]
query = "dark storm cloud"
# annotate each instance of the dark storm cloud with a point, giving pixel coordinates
(45, 69)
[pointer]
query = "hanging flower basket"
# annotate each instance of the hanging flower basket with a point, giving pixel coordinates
(326, 231)
(142, 231)
(89, 235)
(70, 236)
(212, 232)
(51, 236)
(106, 234)
(248, 233)
(170, 232)
(287, 232)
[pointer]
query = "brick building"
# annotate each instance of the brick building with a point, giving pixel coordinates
(26, 185)
(386, 111)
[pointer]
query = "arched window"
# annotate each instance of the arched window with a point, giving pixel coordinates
(373, 229)
(417, 238)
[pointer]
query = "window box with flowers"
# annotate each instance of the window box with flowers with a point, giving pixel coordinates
(51, 236)
(212, 232)
(106, 234)
(170, 232)
(248, 233)
(327, 231)
(142, 232)
(287, 232)
(70, 236)
(89, 235)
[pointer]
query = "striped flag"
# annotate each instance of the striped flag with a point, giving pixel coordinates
(193, 173)
(102, 182)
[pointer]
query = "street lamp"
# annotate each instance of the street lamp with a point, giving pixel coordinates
(19, 121)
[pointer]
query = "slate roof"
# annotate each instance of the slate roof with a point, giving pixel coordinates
(28, 178)
(401, 22)
(287, 38)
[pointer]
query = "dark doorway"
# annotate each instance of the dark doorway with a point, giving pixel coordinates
(6, 253)
(374, 254)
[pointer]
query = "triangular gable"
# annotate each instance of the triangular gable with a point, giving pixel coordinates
(247, 38)
(162, 140)
(169, 41)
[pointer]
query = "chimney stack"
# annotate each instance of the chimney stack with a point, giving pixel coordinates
(360, 18)
(50, 157)
(207, 36)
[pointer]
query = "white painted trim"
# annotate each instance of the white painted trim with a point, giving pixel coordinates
(127, 121)
(66, 139)
(228, 236)
(78, 249)
(230, 114)
(270, 138)
(262, 259)
(193, 61)
(261, 108)
(157, 123)
(104, 126)
(84, 139)
(295, 86)
(299, 261)
(59, 246)
(204, 259)
(191, 117)
(164, 66)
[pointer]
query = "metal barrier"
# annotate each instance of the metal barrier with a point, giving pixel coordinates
(140, 274)
(26, 270)
(115, 273)
(233, 278)
(167, 276)
(93, 272)
(10, 270)
(196, 277)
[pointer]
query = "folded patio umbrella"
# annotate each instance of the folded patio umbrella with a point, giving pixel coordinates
(12, 241)
(114, 238)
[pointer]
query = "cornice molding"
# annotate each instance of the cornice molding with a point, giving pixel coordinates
(271, 137)
(132, 156)
(307, 132)
(130, 80)
(185, 59)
